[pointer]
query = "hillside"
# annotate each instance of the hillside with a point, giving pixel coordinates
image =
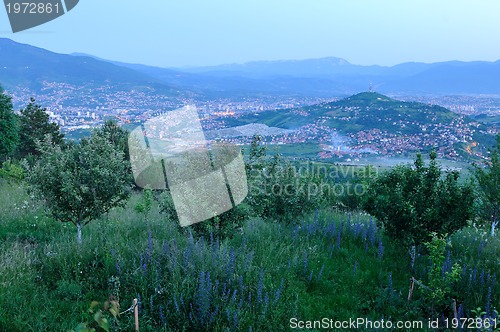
(29, 66)
(372, 122)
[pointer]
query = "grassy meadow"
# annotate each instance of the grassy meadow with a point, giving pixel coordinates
(327, 264)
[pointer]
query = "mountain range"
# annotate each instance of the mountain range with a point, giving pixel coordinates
(23, 65)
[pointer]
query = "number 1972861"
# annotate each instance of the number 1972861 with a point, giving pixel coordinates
(32, 8)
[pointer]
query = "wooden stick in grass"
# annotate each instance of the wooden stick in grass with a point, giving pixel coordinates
(136, 315)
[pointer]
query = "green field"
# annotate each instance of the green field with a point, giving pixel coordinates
(329, 264)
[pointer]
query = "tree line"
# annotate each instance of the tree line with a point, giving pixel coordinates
(81, 181)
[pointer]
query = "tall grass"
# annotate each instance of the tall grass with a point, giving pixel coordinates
(329, 264)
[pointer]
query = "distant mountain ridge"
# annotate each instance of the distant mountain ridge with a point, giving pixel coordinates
(335, 76)
(26, 65)
(23, 65)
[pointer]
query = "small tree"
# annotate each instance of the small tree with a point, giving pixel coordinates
(117, 135)
(489, 186)
(9, 131)
(82, 182)
(35, 125)
(412, 202)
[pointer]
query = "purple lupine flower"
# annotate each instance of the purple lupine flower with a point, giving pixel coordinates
(320, 274)
(277, 295)
(356, 230)
(118, 269)
(474, 275)
(248, 260)
(372, 234)
(464, 271)
(186, 255)
(355, 268)
(260, 286)
(144, 266)
(203, 295)
(304, 270)
(332, 249)
(364, 233)
(191, 316)
(480, 248)
(224, 285)
(235, 320)
(190, 238)
(163, 319)
(380, 250)
(176, 305)
(240, 304)
(240, 283)
(266, 303)
(481, 278)
(339, 235)
(447, 264)
(139, 303)
(310, 277)
(460, 311)
(175, 249)
(150, 243)
(233, 298)
(487, 307)
(166, 249)
(216, 286)
(230, 267)
(213, 314)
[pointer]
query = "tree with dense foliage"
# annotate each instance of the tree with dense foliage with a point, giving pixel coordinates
(410, 203)
(35, 125)
(81, 182)
(489, 186)
(9, 131)
(278, 189)
(117, 135)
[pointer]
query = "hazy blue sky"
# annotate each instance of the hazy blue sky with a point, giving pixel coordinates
(207, 32)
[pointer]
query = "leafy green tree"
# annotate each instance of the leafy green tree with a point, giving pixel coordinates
(354, 193)
(257, 153)
(278, 190)
(489, 186)
(35, 125)
(9, 130)
(410, 203)
(117, 135)
(81, 182)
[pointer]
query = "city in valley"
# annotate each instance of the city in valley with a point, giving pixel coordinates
(78, 109)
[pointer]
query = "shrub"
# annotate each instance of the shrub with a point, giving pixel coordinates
(412, 202)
